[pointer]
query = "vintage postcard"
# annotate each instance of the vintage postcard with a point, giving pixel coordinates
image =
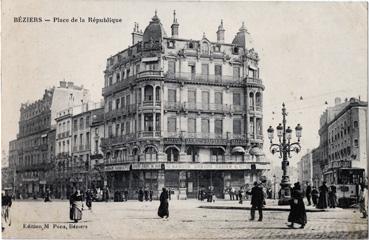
(184, 120)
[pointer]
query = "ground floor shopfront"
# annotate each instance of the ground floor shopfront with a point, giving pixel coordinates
(184, 180)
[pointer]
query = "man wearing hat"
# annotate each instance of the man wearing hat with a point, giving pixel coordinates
(257, 201)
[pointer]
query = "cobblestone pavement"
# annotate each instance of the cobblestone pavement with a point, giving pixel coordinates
(134, 220)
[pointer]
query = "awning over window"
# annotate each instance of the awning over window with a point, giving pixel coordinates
(238, 150)
(257, 151)
(44, 135)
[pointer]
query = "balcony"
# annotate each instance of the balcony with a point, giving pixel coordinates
(204, 78)
(127, 109)
(124, 83)
(174, 106)
(254, 82)
(212, 107)
(204, 138)
(150, 134)
(256, 108)
(150, 73)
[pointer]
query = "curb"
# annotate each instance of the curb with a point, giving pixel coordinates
(265, 208)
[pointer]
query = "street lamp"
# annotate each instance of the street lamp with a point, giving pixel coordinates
(285, 148)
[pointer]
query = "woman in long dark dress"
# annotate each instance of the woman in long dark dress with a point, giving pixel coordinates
(76, 206)
(163, 210)
(323, 196)
(298, 212)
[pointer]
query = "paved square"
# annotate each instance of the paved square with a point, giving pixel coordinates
(135, 220)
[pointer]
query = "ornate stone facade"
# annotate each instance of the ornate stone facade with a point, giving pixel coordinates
(182, 113)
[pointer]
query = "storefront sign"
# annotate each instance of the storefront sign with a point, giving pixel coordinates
(138, 166)
(202, 166)
(117, 168)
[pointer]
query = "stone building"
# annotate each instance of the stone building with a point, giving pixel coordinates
(305, 168)
(344, 137)
(73, 149)
(183, 113)
(36, 138)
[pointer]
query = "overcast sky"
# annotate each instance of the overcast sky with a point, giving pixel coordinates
(314, 50)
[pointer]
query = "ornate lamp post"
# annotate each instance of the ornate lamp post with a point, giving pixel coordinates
(285, 148)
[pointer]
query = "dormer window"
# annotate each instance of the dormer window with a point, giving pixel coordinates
(205, 48)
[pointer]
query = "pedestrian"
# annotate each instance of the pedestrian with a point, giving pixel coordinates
(169, 193)
(76, 206)
(89, 199)
(6, 203)
(199, 197)
(140, 195)
(125, 195)
(323, 196)
(240, 196)
(332, 197)
(308, 193)
(163, 210)
(297, 212)
(146, 192)
(47, 196)
(315, 195)
(257, 201)
(231, 194)
(363, 200)
(150, 195)
(106, 194)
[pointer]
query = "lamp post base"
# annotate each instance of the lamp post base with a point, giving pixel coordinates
(285, 196)
(284, 201)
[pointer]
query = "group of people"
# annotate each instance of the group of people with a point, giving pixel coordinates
(145, 194)
(297, 207)
(208, 194)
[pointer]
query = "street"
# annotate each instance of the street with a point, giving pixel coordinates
(139, 220)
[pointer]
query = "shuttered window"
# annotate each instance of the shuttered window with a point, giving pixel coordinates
(236, 126)
(172, 95)
(172, 124)
(191, 125)
(205, 125)
(218, 126)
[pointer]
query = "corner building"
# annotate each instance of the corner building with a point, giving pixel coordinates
(184, 114)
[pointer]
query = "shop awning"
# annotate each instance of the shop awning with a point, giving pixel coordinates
(238, 149)
(256, 151)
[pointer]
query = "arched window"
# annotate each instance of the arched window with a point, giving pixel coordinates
(148, 93)
(150, 154)
(251, 100)
(258, 99)
(157, 94)
(172, 154)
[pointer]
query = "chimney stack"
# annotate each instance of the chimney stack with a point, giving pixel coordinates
(175, 26)
(337, 101)
(220, 33)
(136, 34)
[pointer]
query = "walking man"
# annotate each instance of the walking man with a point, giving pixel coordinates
(257, 201)
(308, 193)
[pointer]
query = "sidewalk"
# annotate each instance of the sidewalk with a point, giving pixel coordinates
(271, 205)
